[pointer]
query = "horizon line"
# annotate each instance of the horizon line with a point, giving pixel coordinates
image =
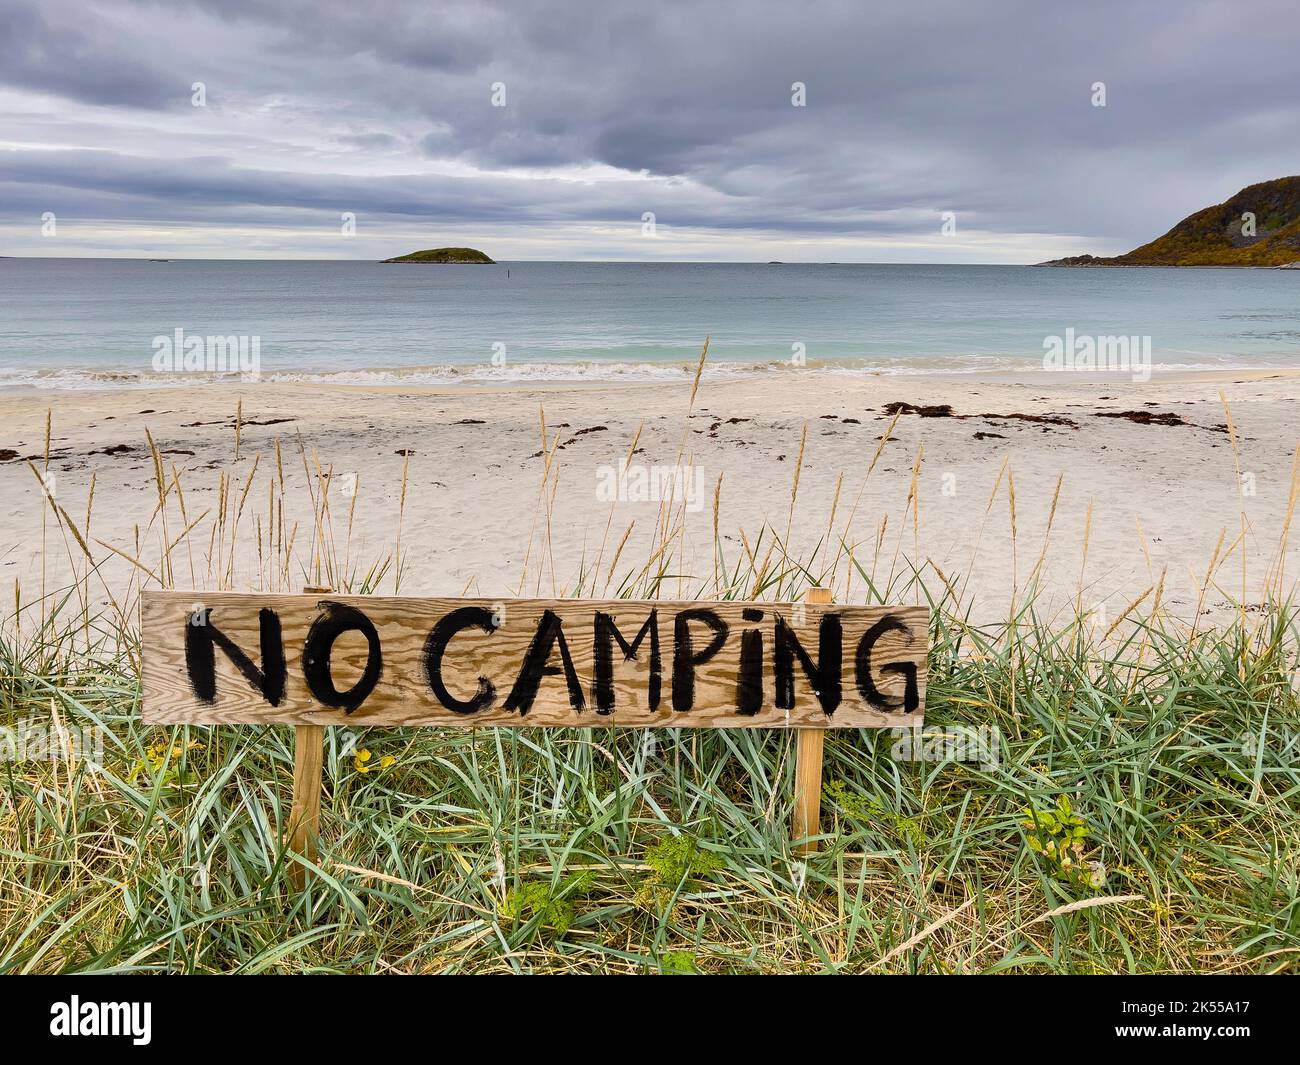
(504, 262)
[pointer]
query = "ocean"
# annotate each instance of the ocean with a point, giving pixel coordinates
(101, 323)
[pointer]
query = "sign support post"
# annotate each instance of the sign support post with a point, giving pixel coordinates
(308, 759)
(808, 766)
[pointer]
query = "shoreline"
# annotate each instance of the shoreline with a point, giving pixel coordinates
(674, 374)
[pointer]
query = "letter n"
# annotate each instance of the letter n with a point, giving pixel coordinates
(824, 675)
(200, 658)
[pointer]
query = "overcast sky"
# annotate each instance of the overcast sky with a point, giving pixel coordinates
(385, 110)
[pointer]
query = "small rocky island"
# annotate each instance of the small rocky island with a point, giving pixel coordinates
(443, 255)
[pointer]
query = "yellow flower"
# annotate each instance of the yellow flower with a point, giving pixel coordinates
(365, 761)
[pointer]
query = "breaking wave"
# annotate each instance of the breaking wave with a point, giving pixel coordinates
(522, 372)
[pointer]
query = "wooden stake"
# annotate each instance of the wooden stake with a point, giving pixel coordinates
(808, 766)
(304, 816)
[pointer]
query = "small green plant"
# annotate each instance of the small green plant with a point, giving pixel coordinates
(551, 906)
(859, 807)
(678, 963)
(674, 862)
(1057, 835)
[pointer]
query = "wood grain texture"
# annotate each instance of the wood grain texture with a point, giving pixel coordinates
(809, 747)
(304, 815)
(308, 764)
(304, 818)
(476, 658)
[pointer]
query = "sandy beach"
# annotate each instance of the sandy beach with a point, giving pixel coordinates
(1147, 472)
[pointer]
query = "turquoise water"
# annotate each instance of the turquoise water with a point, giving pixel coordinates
(82, 323)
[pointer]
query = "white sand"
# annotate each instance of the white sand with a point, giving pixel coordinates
(1162, 496)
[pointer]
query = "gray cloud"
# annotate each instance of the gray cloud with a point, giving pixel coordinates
(67, 59)
(677, 108)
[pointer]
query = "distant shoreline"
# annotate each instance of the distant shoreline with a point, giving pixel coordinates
(1056, 264)
(176, 260)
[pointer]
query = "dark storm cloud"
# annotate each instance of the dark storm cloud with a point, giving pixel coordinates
(912, 109)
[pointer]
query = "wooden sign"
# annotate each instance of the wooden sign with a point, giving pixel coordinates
(370, 660)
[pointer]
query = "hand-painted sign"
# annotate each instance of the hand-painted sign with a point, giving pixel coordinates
(370, 660)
